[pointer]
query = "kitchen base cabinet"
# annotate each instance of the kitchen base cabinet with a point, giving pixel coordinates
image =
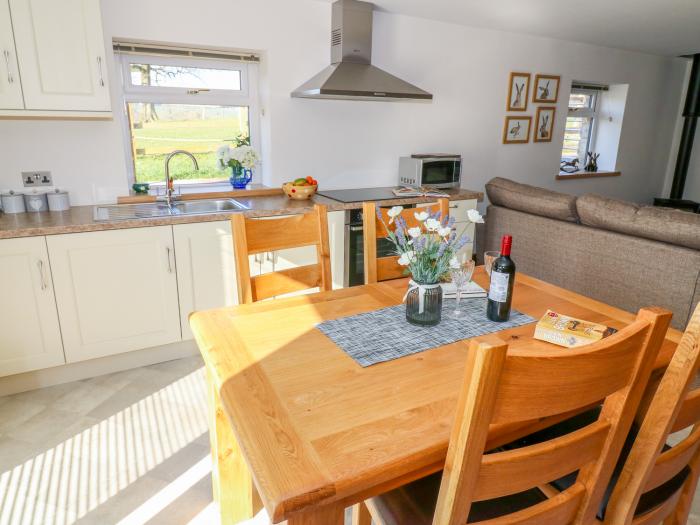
(30, 337)
(116, 291)
(206, 269)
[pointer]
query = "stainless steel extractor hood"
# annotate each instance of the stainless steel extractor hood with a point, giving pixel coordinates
(351, 75)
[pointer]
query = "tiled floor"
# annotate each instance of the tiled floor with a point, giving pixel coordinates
(129, 448)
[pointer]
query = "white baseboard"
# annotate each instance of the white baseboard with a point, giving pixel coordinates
(95, 367)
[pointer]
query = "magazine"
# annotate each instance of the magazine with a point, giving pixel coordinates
(423, 191)
(449, 291)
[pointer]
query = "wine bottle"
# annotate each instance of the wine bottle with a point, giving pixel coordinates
(501, 287)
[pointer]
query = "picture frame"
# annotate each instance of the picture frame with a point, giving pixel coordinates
(544, 124)
(517, 129)
(518, 91)
(546, 88)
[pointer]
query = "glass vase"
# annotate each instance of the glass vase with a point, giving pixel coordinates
(423, 304)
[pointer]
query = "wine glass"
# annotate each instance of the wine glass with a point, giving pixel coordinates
(489, 257)
(460, 278)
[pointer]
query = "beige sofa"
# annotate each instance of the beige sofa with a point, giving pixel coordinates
(617, 252)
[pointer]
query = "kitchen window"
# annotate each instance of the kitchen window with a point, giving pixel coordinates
(193, 100)
(580, 125)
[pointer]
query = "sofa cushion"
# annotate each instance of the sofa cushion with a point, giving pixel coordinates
(650, 222)
(530, 199)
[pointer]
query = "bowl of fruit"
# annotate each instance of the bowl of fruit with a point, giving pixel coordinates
(301, 189)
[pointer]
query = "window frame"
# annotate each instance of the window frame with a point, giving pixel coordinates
(585, 112)
(247, 96)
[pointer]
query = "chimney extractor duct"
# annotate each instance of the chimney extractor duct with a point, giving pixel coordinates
(351, 75)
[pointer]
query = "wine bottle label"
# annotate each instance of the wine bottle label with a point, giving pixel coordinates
(498, 290)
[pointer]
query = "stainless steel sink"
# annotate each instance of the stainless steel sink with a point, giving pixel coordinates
(123, 212)
(206, 206)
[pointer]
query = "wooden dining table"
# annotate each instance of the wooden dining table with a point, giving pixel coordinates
(298, 426)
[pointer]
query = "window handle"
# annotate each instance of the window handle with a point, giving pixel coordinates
(42, 276)
(99, 69)
(10, 78)
(197, 91)
(170, 264)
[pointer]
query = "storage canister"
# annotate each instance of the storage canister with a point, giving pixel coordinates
(12, 202)
(58, 200)
(36, 202)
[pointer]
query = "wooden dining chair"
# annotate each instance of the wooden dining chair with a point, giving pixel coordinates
(385, 268)
(657, 482)
(253, 236)
(501, 388)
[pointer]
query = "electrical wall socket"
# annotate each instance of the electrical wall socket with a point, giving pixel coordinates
(36, 178)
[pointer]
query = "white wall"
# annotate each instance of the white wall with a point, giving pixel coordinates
(609, 126)
(349, 143)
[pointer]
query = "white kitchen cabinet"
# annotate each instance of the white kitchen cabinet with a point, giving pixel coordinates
(61, 55)
(116, 291)
(10, 84)
(206, 269)
(30, 337)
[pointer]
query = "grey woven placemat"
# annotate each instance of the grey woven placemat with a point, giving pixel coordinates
(383, 335)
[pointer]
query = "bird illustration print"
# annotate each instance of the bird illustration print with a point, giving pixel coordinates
(544, 95)
(515, 130)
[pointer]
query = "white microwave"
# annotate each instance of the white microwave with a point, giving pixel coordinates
(434, 170)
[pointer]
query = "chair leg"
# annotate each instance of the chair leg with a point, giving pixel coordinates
(360, 515)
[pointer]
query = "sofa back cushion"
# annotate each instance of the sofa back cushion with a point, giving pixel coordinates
(661, 224)
(530, 199)
(600, 264)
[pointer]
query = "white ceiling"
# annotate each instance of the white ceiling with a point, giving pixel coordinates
(662, 27)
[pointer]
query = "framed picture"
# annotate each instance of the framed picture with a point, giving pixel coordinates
(518, 92)
(546, 88)
(516, 130)
(544, 124)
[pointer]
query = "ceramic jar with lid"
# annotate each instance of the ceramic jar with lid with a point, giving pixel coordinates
(35, 202)
(58, 200)
(12, 202)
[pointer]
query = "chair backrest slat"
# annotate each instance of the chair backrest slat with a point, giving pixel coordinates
(672, 461)
(541, 386)
(689, 413)
(646, 466)
(491, 379)
(521, 469)
(253, 236)
(386, 268)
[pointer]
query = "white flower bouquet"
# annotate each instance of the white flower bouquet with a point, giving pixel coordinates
(244, 156)
(427, 250)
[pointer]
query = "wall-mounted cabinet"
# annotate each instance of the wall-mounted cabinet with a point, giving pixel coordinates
(10, 84)
(54, 57)
(30, 337)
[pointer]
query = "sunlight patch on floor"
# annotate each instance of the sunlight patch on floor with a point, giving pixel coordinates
(65, 482)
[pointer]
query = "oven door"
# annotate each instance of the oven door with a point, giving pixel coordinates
(440, 173)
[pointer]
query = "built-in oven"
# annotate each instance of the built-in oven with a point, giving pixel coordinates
(435, 170)
(354, 248)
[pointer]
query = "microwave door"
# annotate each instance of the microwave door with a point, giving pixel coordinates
(438, 172)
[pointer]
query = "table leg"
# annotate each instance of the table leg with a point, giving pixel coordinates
(234, 490)
(325, 515)
(361, 515)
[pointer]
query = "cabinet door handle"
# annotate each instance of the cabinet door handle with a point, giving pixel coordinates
(10, 78)
(99, 69)
(170, 264)
(42, 277)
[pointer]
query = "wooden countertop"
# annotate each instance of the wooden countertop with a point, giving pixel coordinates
(81, 218)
